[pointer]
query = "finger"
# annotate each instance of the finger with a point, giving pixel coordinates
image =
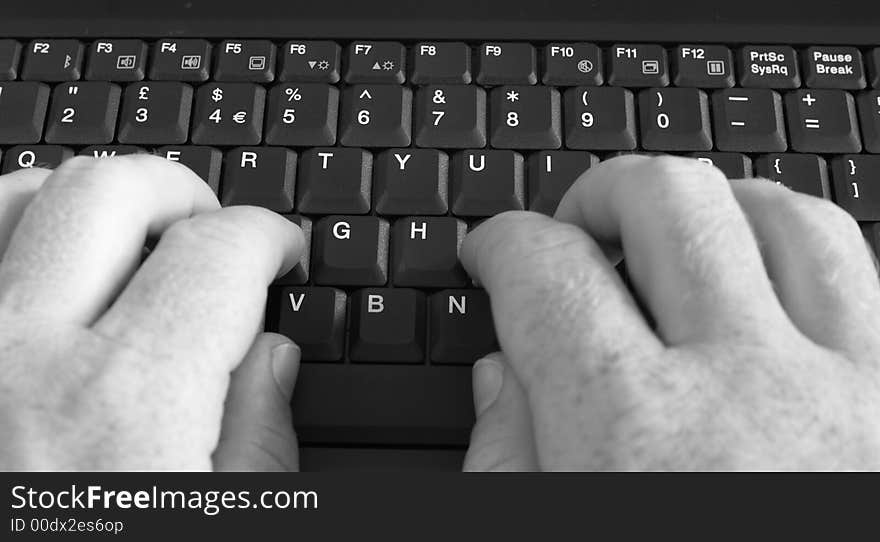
(16, 192)
(502, 438)
(816, 256)
(201, 293)
(688, 247)
(83, 233)
(257, 433)
(562, 317)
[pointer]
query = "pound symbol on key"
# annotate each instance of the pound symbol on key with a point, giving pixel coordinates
(439, 98)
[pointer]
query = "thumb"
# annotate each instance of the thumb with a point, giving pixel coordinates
(502, 438)
(257, 432)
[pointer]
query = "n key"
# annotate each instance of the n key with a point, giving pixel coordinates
(675, 119)
(822, 121)
(83, 113)
(461, 327)
(855, 185)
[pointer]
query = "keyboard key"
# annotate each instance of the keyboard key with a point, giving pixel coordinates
(117, 60)
(310, 61)
(23, 110)
(855, 185)
(313, 318)
(261, 176)
(383, 404)
(822, 121)
(83, 113)
(805, 173)
(600, 118)
(675, 119)
(302, 114)
(833, 67)
(450, 116)
(388, 326)
(52, 60)
(570, 64)
(748, 120)
(869, 115)
(245, 60)
(350, 251)
(768, 66)
(874, 67)
(525, 117)
(461, 327)
(155, 112)
(334, 180)
(300, 273)
(425, 252)
(375, 62)
(376, 116)
(506, 64)
(25, 156)
(734, 165)
(440, 62)
(411, 181)
(205, 162)
(551, 174)
(109, 151)
(631, 65)
(10, 54)
(181, 60)
(485, 183)
(705, 66)
(228, 114)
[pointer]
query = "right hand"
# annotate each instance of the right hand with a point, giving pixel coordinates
(766, 348)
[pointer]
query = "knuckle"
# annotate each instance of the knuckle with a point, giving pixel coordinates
(828, 225)
(682, 184)
(235, 229)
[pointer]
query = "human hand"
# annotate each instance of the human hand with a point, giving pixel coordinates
(108, 365)
(766, 349)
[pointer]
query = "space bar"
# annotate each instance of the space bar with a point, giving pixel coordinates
(383, 404)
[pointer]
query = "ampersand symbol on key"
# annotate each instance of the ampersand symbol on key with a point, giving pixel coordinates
(439, 98)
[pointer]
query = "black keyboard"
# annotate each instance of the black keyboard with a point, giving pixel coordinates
(386, 153)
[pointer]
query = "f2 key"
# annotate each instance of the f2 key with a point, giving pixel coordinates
(52, 60)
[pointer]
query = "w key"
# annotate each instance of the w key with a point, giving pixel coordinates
(822, 121)
(675, 119)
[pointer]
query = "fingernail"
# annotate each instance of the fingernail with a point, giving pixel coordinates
(285, 365)
(488, 378)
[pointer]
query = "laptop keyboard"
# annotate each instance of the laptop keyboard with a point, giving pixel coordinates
(385, 154)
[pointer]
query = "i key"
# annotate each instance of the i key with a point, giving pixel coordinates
(52, 60)
(485, 183)
(203, 161)
(334, 180)
(181, 60)
(27, 156)
(551, 174)
(23, 110)
(302, 115)
(411, 181)
(461, 327)
(525, 117)
(450, 116)
(425, 252)
(675, 119)
(314, 318)
(748, 120)
(822, 121)
(806, 173)
(375, 62)
(229, 114)
(376, 116)
(600, 118)
(155, 112)
(247, 60)
(261, 176)
(441, 62)
(388, 325)
(644, 65)
(855, 185)
(869, 115)
(117, 60)
(350, 251)
(83, 113)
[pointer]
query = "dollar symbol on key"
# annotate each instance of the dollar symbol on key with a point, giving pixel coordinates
(217, 94)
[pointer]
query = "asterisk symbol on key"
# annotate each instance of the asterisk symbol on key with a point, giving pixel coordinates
(512, 96)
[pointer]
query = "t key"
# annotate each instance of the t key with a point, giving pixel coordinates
(822, 121)
(525, 117)
(334, 180)
(675, 119)
(229, 114)
(83, 113)
(376, 116)
(855, 185)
